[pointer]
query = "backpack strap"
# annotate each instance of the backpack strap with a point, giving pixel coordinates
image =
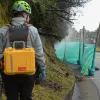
(28, 37)
(9, 25)
(28, 25)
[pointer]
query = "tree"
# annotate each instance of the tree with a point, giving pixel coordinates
(50, 15)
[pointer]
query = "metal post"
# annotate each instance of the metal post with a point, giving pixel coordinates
(79, 47)
(97, 37)
(83, 37)
(64, 59)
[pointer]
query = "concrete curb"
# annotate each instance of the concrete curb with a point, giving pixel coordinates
(70, 93)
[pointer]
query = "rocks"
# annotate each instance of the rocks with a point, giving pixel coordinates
(79, 78)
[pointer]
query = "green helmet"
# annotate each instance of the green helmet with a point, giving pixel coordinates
(22, 6)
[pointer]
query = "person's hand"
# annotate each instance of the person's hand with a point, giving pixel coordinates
(42, 73)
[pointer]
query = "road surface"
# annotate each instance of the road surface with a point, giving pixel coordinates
(89, 89)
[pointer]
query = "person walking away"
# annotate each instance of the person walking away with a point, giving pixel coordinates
(21, 85)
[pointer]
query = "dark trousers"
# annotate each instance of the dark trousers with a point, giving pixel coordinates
(18, 86)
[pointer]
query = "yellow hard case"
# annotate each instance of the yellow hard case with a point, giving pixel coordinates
(20, 61)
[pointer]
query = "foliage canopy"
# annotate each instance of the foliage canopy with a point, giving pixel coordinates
(49, 15)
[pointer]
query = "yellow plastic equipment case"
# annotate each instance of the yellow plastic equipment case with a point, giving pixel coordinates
(19, 61)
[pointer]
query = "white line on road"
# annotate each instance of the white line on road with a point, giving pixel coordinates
(91, 78)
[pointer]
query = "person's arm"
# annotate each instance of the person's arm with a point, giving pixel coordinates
(3, 40)
(37, 45)
(39, 52)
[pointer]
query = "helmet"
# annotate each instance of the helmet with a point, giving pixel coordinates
(22, 6)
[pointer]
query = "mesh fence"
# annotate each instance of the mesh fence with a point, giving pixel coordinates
(78, 48)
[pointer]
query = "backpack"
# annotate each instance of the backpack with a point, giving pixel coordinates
(18, 59)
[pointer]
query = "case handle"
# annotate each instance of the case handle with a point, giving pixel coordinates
(15, 42)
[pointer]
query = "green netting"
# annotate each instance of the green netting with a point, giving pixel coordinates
(70, 50)
(78, 53)
(60, 49)
(81, 52)
(88, 65)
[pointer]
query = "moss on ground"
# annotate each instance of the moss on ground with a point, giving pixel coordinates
(98, 49)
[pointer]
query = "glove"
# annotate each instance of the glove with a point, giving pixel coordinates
(42, 73)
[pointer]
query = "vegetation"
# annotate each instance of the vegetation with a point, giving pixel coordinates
(49, 15)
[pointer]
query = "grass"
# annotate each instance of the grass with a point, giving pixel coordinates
(98, 49)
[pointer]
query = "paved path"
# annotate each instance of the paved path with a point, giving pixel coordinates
(89, 89)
